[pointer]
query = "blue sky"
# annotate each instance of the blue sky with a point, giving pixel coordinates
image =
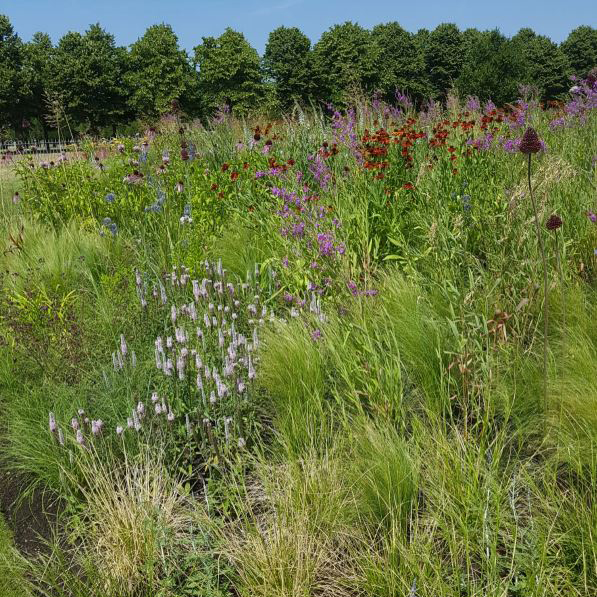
(193, 19)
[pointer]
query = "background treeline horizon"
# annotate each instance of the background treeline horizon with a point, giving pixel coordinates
(86, 84)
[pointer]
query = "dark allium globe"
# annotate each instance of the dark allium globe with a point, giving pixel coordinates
(554, 222)
(530, 141)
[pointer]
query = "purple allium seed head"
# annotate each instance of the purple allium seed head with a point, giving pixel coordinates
(530, 142)
(74, 423)
(52, 422)
(119, 430)
(554, 222)
(80, 438)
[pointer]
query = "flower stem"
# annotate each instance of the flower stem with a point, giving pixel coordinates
(545, 287)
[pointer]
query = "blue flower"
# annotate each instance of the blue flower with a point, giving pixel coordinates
(109, 197)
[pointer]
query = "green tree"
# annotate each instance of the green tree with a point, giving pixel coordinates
(229, 72)
(444, 57)
(581, 49)
(287, 62)
(37, 76)
(343, 58)
(398, 62)
(11, 80)
(545, 65)
(158, 73)
(492, 68)
(87, 73)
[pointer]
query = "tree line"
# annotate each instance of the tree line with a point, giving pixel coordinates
(92, 85)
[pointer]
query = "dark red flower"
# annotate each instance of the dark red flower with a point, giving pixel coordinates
(554, 222)
(408, 186)
(530, 141)
(225, 167)
(233, 176)
(214, 187)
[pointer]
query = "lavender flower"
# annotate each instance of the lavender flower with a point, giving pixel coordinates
(52, 422)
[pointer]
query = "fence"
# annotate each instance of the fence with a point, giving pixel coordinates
(33, 147)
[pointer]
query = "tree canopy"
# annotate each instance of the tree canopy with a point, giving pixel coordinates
(229, 72)
(158, 73)
(100, 85)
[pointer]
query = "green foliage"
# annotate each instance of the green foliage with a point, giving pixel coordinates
(87, 73)
(229, 73)
(444, 57)
(13, 567)
(343, 59)
(287, 61)
(492, 69)
(158, 73)
(37, 72)
(580, 48)
(11, 59)
(398, 62)
(545, 65)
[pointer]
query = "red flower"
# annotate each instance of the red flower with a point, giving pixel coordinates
(225, 167)
(290, 162)
(214, 187)
(245, 165)
(408, 186)
(233, 176)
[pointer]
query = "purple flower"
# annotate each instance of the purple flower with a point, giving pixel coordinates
(316, 335)
(557, 123)
(472, 103)
(288, 297)
(285, 261)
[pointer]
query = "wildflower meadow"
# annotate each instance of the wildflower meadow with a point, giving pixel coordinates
(347, 352)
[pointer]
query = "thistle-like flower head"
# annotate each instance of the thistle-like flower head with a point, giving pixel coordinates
(530, 142)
